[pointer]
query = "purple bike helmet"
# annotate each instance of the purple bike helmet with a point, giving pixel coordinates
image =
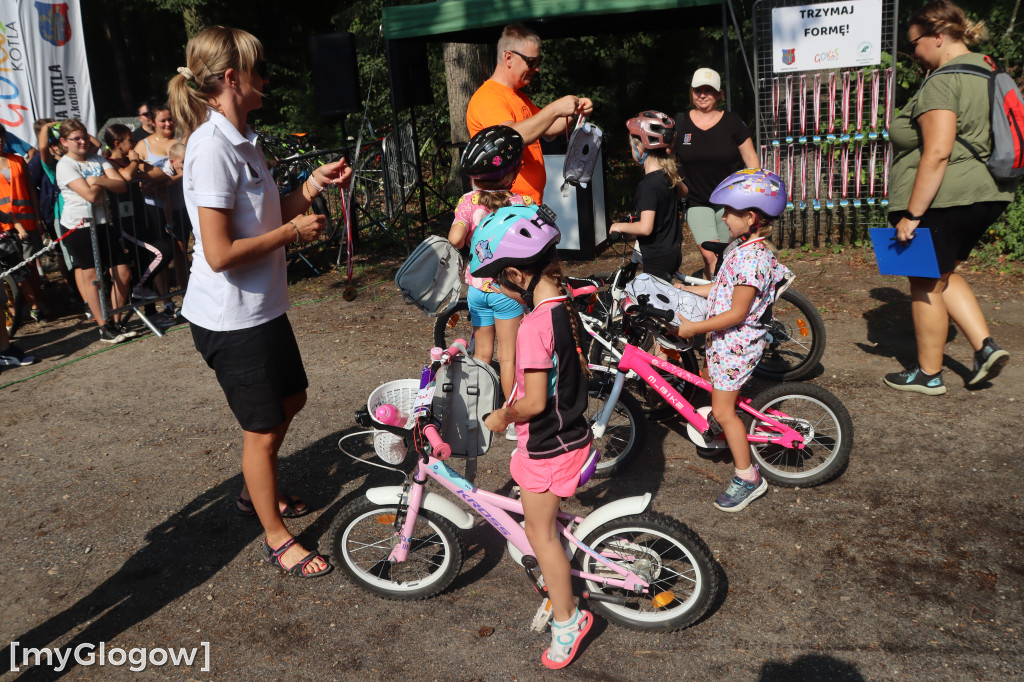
(752, 189)
(512, 236)
(493, 155)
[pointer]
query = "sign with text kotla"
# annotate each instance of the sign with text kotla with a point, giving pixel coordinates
(43, 69)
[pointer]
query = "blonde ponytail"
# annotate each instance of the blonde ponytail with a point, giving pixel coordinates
(208, 55)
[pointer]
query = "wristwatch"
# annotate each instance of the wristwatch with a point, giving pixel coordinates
(909, 216)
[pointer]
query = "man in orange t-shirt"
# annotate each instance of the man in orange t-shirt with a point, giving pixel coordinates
(499, 101)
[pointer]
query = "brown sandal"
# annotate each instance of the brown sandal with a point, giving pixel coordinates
(273, 556)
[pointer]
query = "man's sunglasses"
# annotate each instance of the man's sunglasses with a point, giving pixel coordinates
(531, 62)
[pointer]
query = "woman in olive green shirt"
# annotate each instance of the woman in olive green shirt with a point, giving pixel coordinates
(938, 184)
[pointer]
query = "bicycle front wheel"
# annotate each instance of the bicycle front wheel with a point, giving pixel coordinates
(12, 311)
(820, 418)
(665, 553)
(626, 434)
(796, 339)
(363, 535)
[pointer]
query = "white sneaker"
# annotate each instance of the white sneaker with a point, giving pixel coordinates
(510, 433)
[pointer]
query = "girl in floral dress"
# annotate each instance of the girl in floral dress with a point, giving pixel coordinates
(739, 303)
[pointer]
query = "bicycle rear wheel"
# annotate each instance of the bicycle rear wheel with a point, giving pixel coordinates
(824, 423)
(671, 558)
(796, 339)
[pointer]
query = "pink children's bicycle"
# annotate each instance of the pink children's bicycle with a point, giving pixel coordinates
(800, 434)
(639, 568)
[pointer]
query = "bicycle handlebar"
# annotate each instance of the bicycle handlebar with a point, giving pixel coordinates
(441, 449)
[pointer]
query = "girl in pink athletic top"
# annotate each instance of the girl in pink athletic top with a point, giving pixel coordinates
(516, 246)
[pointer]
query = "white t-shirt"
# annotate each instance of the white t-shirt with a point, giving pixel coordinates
(227, 170)
(76, 208)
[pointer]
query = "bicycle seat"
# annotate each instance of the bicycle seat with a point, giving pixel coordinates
(589, 466)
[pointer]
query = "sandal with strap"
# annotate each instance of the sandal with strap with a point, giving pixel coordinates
(273, 556)
(294, 507)
(568, 635)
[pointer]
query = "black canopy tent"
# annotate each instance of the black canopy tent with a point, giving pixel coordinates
(406, 29)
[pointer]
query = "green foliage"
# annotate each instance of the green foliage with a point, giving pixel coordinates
(1005, 239)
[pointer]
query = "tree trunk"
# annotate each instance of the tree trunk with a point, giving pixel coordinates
(1013, 18)
(466, 67)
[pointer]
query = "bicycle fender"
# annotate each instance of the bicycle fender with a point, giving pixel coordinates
(439, 505)
(613, 510)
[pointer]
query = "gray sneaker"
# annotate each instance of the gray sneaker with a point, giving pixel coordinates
(111, 334)
(988, 362)
(915, 380)
(740, 493)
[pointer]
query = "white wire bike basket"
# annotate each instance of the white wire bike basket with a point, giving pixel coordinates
(401, 394)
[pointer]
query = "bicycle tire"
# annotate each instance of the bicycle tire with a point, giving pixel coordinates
(823, 420)
(12, 310)
(796, 339)
(626, 434)
(668, 555)
(455, 324)
(362, 537)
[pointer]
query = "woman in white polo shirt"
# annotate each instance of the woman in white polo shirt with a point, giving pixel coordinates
(237, 296)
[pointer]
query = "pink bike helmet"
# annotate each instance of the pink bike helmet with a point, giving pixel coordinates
(512, 236)
(654, 129)
(752, 189)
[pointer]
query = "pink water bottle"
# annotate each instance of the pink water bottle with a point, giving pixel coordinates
(389, 414)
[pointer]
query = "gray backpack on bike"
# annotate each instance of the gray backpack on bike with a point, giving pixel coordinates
(465, 392)
(431, 278)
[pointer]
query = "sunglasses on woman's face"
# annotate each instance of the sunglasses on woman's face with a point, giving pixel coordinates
(261, 69)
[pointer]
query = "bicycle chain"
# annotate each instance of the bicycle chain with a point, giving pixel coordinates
(50, 247)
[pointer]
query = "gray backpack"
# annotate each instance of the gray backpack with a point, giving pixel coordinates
(431, 278)
(465, 392)
(1006, 161)
(581, 156)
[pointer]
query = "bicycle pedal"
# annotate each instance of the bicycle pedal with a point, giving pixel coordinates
(542, 617)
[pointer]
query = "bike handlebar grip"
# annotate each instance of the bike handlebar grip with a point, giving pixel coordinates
(666, 315)
(441, 449)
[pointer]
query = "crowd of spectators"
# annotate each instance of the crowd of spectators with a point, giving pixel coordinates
(126, 181)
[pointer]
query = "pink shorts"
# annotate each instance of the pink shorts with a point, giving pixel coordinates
(559, 474)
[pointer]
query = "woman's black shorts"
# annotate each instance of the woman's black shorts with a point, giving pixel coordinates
(956, 229)
(79, 246)
(257, 367)
(663, 266)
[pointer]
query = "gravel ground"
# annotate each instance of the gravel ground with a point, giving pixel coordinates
(118, 469)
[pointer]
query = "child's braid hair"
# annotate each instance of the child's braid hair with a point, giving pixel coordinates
(554, 270)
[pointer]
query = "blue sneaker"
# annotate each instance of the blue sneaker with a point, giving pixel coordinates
(740, 493)
(915, 380)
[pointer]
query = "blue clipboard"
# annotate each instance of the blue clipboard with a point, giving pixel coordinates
(915, 258)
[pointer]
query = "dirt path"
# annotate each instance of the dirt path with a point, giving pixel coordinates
(117, 473)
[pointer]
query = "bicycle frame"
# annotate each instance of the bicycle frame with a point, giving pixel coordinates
(496, 509)
(643, 364)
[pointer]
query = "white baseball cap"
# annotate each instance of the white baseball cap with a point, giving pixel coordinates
(706, 77)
